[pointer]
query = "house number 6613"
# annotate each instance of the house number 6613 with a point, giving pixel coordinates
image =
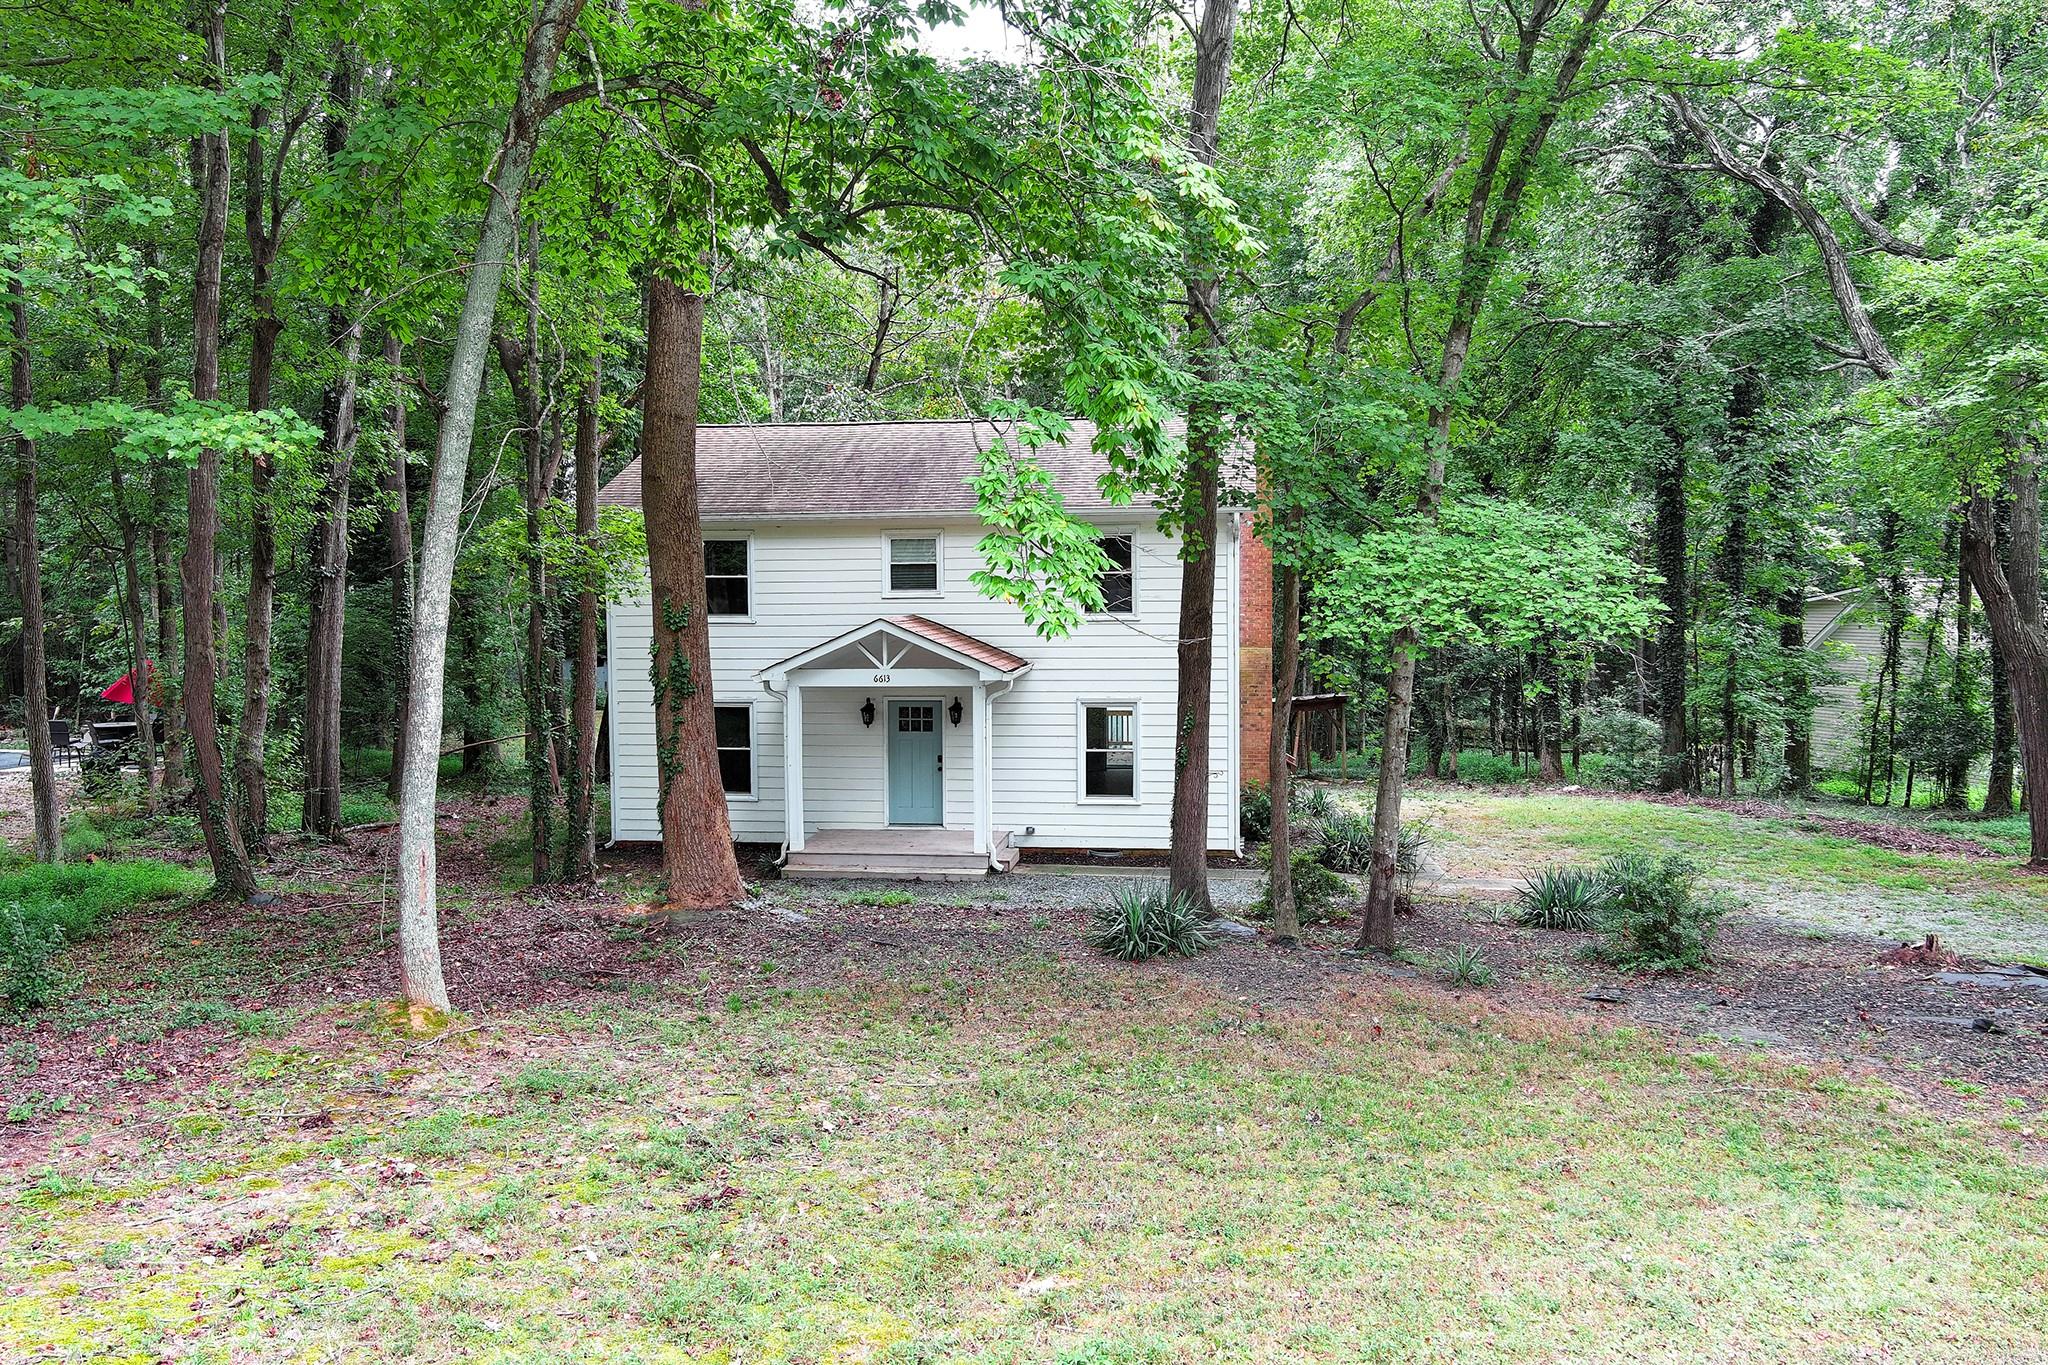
(881, 677)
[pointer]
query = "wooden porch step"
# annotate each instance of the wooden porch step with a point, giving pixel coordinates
(898, 853)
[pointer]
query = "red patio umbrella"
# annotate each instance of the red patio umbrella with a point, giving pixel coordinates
(122, 692)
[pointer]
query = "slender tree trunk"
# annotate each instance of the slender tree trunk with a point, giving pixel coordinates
(1487, 225)
(327, 607)
(232, 876)
(696, 837)
(1188, 862)
(580, 850)
(1286, 660)
(1798, 692)
(161, 572)
(1669, 534)
(2012, 610)
(251, 794)
(135, 619)
(1549, 716)
(398, 535)
(419, 934)
(35, 674)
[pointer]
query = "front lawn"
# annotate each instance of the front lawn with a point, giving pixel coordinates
(1040, 1160)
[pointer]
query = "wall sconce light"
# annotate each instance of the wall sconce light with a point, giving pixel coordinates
(867, 712)
(953, 711)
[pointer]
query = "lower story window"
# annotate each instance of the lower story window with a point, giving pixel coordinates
(1109, 753)
(736, 749)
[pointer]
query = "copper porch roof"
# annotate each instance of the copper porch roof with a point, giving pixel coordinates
(861, 469)
(981, 651)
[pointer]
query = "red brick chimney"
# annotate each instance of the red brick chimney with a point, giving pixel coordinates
(1255, 656)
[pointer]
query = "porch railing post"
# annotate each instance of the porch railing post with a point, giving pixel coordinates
(793, 765)
(981, 768)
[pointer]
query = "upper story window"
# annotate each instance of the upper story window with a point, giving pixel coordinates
(727, 570)
(913, 564)
(1119, 582)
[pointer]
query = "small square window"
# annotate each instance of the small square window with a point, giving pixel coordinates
(913, 564)
(726, 589)
(1109, 753)
(735, 725)
(1118, 582)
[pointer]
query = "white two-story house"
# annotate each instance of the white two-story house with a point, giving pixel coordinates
(876, 713)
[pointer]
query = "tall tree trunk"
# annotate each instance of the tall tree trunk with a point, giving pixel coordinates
(1669, 535)
(232, 876)
(1488, 223)
(261, 226)
(1286, 659)
(161, 571)
(521, 361)
(1188, 863)
(42, 768)
(419, 935)
(696, 837)
(1735, 575)
(580, 849)
(1549, 715)
(327, 605)
(2012, 610)
(398, 535)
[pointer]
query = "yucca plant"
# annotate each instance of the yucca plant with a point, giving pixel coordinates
(1147, 921)
(1310, 803)
(1464, 966)
(1560, 898)
(1344, 843)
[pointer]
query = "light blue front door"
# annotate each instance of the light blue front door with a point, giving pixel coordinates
(916, 775)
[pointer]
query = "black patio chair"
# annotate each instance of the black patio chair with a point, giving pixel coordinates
(63, 748)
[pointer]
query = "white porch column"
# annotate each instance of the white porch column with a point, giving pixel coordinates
(981, 768)
(793, 766)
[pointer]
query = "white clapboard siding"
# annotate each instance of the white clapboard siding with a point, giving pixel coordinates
(814, 581)
(1853, 644)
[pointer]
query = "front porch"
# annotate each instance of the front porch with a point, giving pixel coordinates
(911, 854)
(898, 715)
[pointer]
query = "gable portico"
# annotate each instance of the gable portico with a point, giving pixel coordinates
(918, 680)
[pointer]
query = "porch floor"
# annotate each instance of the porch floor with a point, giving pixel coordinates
(899, 851)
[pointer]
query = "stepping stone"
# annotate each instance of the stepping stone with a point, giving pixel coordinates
(1606, 995)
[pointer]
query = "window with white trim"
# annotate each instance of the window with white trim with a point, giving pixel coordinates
(1109, 751)
(913, 564)
(1119, 581)
(727, 566)
(735, 726)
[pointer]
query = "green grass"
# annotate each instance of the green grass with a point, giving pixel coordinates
(1057, 1166)
(1983, 905)
(79, 897)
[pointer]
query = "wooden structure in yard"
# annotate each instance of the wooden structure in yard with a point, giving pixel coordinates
(1319, 728)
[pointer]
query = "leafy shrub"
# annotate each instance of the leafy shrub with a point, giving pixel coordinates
(1465, 966)
(1255, 813)
(1146, 921)
(1560, 898)
(1310, 803)
(28, 980)
(1655, 914)
(45, 905)
(1630, 745)
(1486, 769)
(1344, 843)
(1316, 887)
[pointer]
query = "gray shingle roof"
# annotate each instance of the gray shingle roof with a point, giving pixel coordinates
(860, 469)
